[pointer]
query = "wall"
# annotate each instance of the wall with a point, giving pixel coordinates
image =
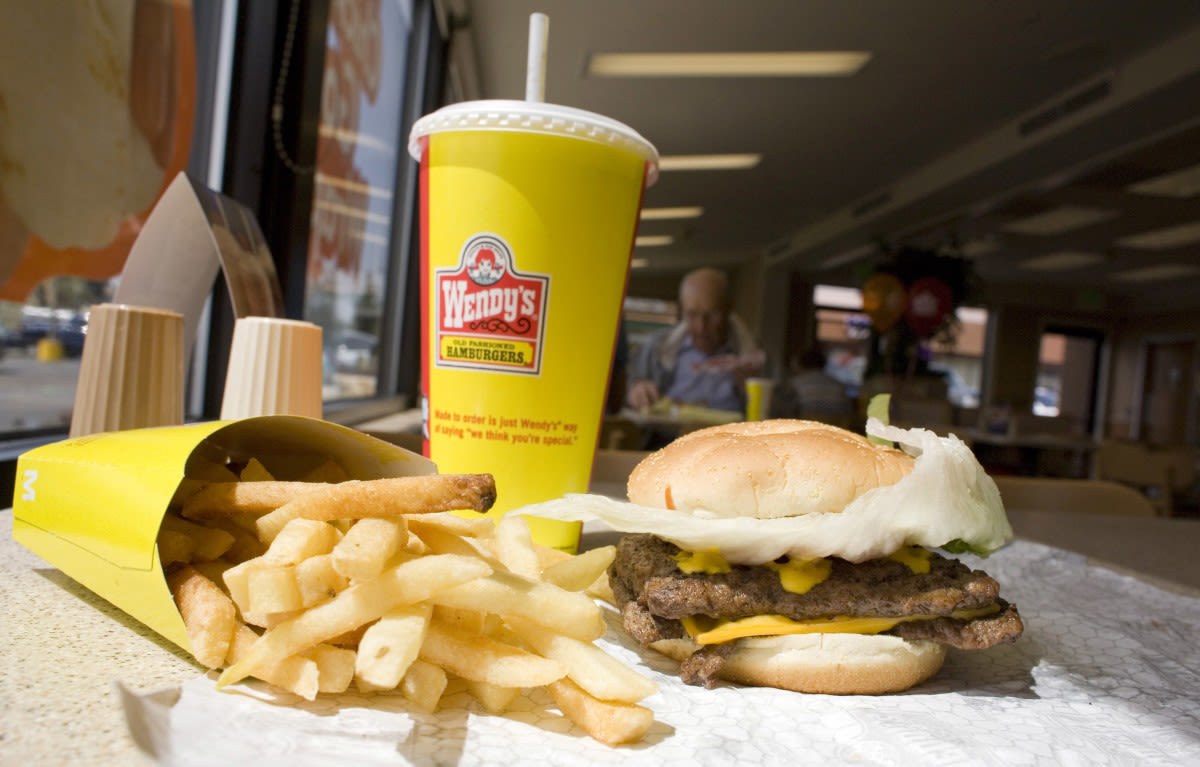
(1128, 367)
(1012, 373)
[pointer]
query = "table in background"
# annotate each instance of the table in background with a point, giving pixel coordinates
(1031, 451)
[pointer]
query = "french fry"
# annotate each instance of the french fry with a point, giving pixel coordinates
(548, 556)
(237, 582)
(424, 685)
(607, 722)
(244, 497)
(474, 621)
(245, 541)
(318, 581)
(447, 521)
(441, 541)
(175, 547)
(513, 546)
(326, 471)
(210, 468)
(208, 615)
(350, 638)
(415, 545)
(495, 699)
(579, 572)
(300, 539)
(272, 590)
(599, 674)
(201, 472)
(390, 497)
(271, 620)
(381, 583)
(254, 471)
(507, 594)
(602, 590)
(410, 582)
(482, 659)
(298, 675)
(210, 543)
(389, 646)
(335, 667)
(366, 548)
(214, 570)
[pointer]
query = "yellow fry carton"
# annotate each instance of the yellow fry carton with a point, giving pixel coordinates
(92, 506)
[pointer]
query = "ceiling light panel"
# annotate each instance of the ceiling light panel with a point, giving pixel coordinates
(708, 162)
(1066, 218)
(1182, 183)
(653, 240)
(981, 247)
(665, 214)
(1061, 261)
(1158, 273)
(1163, 239)
(751, 64)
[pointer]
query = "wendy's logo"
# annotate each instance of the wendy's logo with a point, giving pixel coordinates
(489, 315)
(484, 267)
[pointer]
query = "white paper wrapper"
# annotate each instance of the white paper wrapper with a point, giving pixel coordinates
(1107, 673)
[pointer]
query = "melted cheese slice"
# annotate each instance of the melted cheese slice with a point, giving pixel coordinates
(709, 562)
(795, 575)
(705, 630)
(915, 558)
(800, 575)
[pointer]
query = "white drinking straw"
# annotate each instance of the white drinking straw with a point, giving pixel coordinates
(535, 67)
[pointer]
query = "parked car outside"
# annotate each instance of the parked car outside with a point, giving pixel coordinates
(67, 326)
(353, 351)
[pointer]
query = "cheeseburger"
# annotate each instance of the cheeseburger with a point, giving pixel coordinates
(798, 555)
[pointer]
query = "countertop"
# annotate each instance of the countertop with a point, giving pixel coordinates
(1162, 551)
(62, 648)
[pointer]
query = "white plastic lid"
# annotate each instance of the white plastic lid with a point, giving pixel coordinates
(534, 117)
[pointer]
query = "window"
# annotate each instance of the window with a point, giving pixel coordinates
(72, 202)
(844, 335)
(962, 360)
(360, 149)
(336, 204)
(1067, 375)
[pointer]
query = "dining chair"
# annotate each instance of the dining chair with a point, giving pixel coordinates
(1089, 495)
(1136, 465)
(611, 470)
(619, 433)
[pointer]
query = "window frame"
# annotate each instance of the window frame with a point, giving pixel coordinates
(257, 176)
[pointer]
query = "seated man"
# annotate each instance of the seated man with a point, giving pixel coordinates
(705, 359)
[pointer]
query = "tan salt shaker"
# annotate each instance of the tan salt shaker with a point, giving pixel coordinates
(131, 371)
(274, 369)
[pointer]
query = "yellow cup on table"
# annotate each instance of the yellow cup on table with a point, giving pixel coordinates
(528, 216)
(758, 398)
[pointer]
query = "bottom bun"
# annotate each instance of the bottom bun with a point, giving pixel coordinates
(837, 664)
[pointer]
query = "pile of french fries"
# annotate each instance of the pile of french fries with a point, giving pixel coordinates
(319, 584)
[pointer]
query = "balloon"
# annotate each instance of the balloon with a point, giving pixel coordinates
(884, 300)
(929, 301)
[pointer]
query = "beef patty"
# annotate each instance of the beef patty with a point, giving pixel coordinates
(653, 594)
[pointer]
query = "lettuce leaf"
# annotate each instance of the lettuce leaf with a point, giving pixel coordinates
(947, 501)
